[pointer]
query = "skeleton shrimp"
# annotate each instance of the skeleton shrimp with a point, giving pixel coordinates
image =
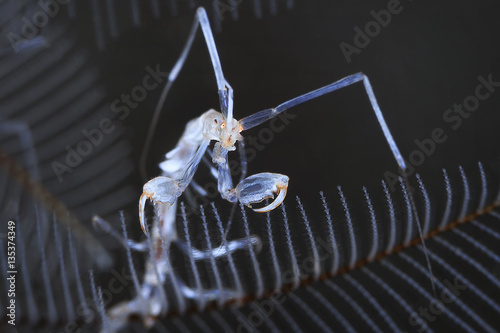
(182, 162)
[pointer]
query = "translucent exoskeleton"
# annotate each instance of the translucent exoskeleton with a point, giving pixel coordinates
(181, 164)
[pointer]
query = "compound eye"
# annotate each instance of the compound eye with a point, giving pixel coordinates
(215, 120)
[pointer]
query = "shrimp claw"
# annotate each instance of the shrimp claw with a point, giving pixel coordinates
(163, 190)
(261, 186)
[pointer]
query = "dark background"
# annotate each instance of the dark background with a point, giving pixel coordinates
(427, 59)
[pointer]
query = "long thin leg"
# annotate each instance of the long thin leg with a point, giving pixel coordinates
(243, 161)
(187, 173)
(222, 250)
(262, 116)
(104, 225)
(213, 170)
(200, 190)
(225, 90)
(170, 80)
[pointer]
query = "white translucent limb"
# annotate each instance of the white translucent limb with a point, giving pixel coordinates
(279, 199)
(261, 186)
(200, 190)
(104, 225)
(210, 294)
(160, 190)
(213, 170)
(167, 215)
(222, 250)
(186, 175)
(262, 116)
(253, 189)
(191, 194)
(202, 18)
(156, 115)
(244, 168)
(225, 182)
(147, 305)
(224, 89)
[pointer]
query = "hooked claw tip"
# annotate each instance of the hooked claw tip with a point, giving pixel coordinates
(282, 188)
(160, 190)
(142, 203)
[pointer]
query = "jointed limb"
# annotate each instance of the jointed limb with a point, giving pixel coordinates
(165, 190)
(262, 116)
(104, 225)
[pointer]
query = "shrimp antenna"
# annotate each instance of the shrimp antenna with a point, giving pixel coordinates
(172, 76)
(407, 187)
(225, 90)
